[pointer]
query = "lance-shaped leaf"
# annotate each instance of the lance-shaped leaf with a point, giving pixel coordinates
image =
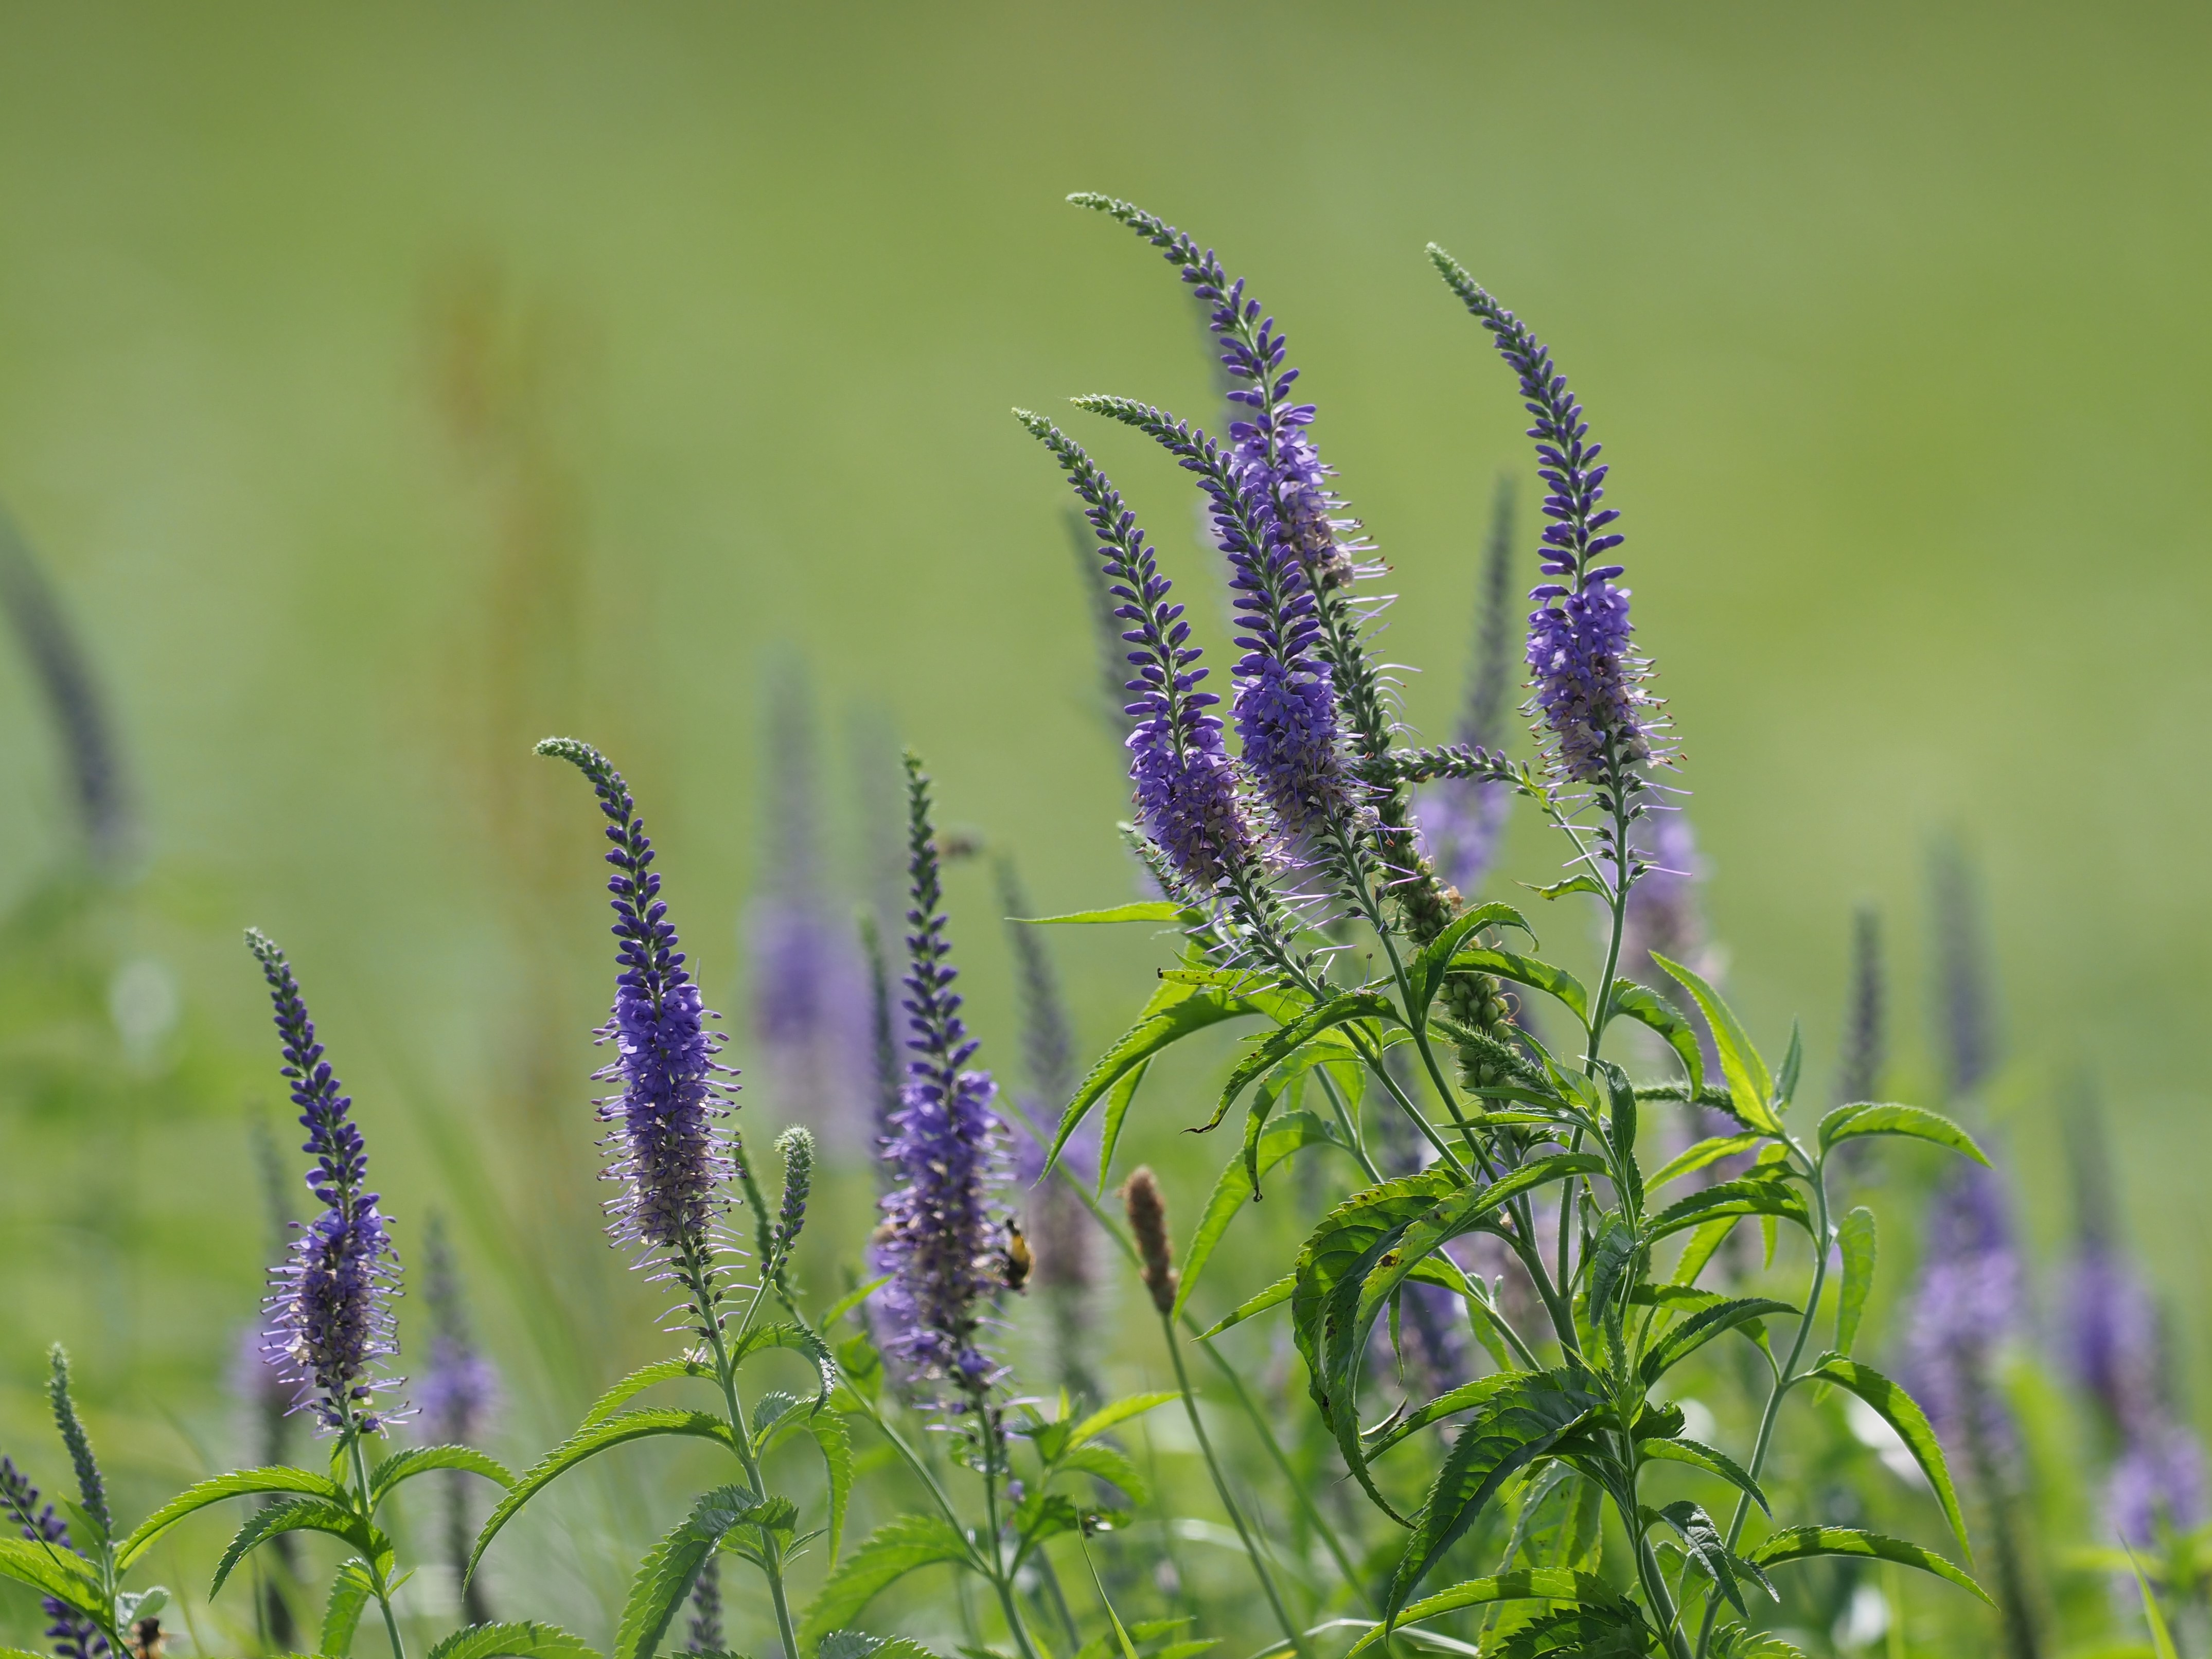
(1175, 1012)
(1281, 1043)
(1424, 975)
(835, 1441)
(1530, 1584)
(1466, 1397)
(798, 1340)
(1749, 1195)
(1870, 1118)
(299, 1515)
(589, 1441)
(1704, 1244)
(239, 1483)
(1281, 1082)
(1115, 1412)
(1702, 1545)
(666, 1370)
(1855, 1238)
(350, 1592)
(418, 1460)
(1141, 910)
(512, 1641)
(1805, 1543)
(1751, 1086)
(1526, 970)
(1273, 1297)
(664, 1577)
(1516, 1427)
(1902, 1412)
(892, 1551)
(1646, 1006)
(1238, 1184)
(1119, 1099)
(1704, 1153)
(1679, 1448)
(52, 1570)
(1701, 1327)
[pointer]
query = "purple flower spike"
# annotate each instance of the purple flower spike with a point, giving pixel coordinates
(73, 1636)
(1588, 683)
(1186, 788)
(1969, 1300)
(329, 1312)
(939, 1239)
(672, 1164)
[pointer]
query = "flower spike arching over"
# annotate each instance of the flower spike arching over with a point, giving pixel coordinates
(1186, 787)
(939, 1239)
(1588, 684)
(329, 1312)
(672, 1164)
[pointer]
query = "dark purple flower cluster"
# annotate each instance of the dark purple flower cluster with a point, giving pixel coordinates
(672, 1165)
(73, 1636)
(329, 1314)
(1186, 787)
(1588, 683)
(939, 1241)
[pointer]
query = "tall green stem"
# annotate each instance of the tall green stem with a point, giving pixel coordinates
(360, 1461)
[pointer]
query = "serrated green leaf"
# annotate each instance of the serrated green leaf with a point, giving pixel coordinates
(1116, 1411)
(1703, 1153)
(1273, 1297)
(350, 1592)
(1793, 1061)
(1465, 1397)
(892, 1551)
(666, 1370)
(1902, 1412)
(1855, 1238)
(1237, 1185)
(1529, 1584)
(1514, 1428)
(663, 1582)
(53, 1571)
(588, 1442)
(1805, 1543)
(405, 1466)
(1704, 1244)
(1141, 910)
(1119, 1099)
(1648, 1008)
(2161, 1638)
(835, 1441)
(856, 1645)
(1746, 1195)
(1680, 1449)
(1107, 1463)
(1284, 1040)
(1702, 1547)
(512, 1641)
(1884, 1118)
(1751, 1086)
(1585, 883)
(1174, 1012)
(298, 1515)
(1701, 1327)
(797, 1339)
(1424, 975)
(1526, 970)
(851, 1299)
(239, 1483)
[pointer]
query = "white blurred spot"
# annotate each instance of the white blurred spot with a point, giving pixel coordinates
(1871, 1429)
(143, 1002)
(1699, 1423)
(1865, 1621)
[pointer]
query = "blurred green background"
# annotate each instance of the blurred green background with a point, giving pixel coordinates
(385, 390)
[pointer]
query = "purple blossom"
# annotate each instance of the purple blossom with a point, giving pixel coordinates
(2159, 1481)
(1186, 787)
(939, 1239)
(1662, 916)
(1970, 1299)
(672, 1164)
(1589, 683)
(330, 1315)
(73, 1636)
(460, 1388)
(1865, 1046)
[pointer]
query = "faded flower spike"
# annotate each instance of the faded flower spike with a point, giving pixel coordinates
(671, 1164)
(939, 1239)
(329, 1314)
(1589, 683)
(1186, 787)
(1148, 1221)
(796, 1147)
(73, 1635)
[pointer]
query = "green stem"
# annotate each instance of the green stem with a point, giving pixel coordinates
(375, 1573)
(1260, 1570)
(1785, 1376)
(1002, 1580)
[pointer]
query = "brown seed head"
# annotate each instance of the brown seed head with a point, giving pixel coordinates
(1148, 1220)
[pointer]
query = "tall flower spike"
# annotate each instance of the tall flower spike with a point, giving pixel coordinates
(1186, 788)
(1967, 1015)
(1588, 683)
(1866, 1038)
(460, 1391)
(939, 1239)
(330, 1303)
(1461, 818)
(73, 1636)
(672, 1165)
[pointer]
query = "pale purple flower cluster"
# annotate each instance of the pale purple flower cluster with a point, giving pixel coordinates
(1970, 1297)
(672, 1165)
(1589, 683)
(1186, 786)
(1663, 915)
(330, 1301)
(460, 1387)
(73, 1636)
(939, 1241)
